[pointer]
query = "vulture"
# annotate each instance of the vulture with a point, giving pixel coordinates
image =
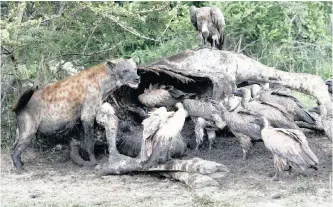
(202, 113)
(288, 146)
(239, 123)
(159, 129)
(276, 114)
(209, 22)
(162, 96)
(292, 105)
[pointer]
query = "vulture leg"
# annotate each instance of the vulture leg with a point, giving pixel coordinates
(289, 169)
(280, 165)
(199, 132)
(203, 42)
(211, 136)
(215, 42)
(276, 176)
(202, 39)
(245, 143)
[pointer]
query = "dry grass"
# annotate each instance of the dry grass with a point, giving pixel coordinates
(53, 180)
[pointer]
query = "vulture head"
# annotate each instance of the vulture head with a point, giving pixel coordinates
(261, 121)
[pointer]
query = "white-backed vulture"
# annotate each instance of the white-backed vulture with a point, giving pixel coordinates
(276, 114)
(209, 22)
(239, 123)
(158, 131)
(202, 114)
(292, 105)
(288, 146)
(162, 96)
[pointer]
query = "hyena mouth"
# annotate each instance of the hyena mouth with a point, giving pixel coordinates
(133, 85)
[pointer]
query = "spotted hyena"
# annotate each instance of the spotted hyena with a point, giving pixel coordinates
(61, 104)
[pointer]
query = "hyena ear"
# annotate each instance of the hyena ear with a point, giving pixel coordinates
(110, 64)
(136, 60)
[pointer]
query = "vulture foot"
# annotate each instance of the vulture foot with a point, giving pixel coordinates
(20, 171)
(289, 169)
(276, 176)
(245, 155)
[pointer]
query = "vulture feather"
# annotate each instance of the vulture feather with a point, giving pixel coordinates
(239, 123)
(290, 103)
(162, 96)
(159, 129)
(289, 147)
(276, 114)
(210, 23)
(202, 114)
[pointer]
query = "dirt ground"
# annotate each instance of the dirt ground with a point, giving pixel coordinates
(53, 180)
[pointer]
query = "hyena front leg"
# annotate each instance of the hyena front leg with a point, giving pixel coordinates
(88, 115)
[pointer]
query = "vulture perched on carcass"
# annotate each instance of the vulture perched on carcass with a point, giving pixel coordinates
(288, 146)
(209, 22)
(159, 129)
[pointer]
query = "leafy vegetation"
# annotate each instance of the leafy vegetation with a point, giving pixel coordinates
(38, 39)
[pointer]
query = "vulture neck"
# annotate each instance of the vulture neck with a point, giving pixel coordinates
(266, 124)
(245, 100)
(323, 112)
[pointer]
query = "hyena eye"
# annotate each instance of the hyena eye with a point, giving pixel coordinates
(125, 71)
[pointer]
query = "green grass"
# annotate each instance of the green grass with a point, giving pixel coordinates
(307, 100)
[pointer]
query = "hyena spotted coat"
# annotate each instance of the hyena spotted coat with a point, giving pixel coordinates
(59, 105)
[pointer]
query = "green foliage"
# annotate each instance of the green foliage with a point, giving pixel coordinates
(291, 36)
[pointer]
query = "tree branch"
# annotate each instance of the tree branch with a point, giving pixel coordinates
(86, 45)
(90, 54)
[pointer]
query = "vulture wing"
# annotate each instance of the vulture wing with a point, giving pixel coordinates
(175, 93)
(291, 145)
(153, 122)
(280, 108)
(150, 126)
(219, 22)
(286, 94)
(193, 17)
(241, 124)
(154, 97)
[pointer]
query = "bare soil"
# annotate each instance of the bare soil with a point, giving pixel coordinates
(53, 180)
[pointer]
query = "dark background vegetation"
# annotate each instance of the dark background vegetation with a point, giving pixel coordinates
(42, 42)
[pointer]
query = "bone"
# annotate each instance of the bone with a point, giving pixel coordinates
(193, 180)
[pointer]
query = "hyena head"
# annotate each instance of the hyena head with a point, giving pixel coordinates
(125, 71)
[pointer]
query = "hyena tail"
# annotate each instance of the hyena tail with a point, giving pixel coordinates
(23, 100)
